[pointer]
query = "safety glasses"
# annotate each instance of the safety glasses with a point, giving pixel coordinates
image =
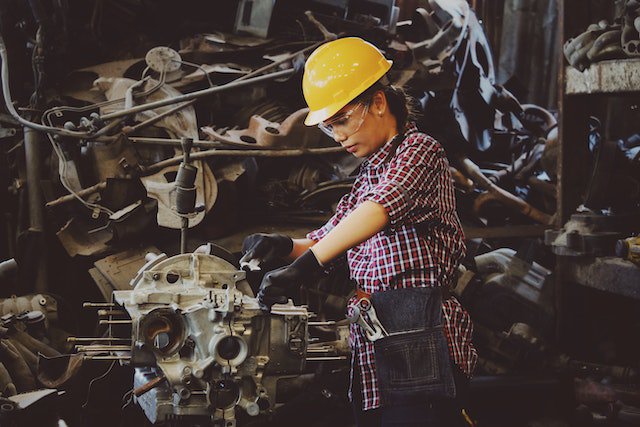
(346, 123)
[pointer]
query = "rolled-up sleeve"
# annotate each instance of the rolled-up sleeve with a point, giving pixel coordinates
(410, 184)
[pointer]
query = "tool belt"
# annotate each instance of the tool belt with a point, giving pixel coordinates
(412, 359)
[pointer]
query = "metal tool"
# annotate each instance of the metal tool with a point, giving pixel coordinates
(365, 316)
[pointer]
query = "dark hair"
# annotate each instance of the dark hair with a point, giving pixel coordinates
(401, 105)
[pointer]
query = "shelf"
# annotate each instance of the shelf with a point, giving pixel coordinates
(613, 275)
(606, 77)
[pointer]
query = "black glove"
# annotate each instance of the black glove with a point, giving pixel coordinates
(265, 248)
(279, 284)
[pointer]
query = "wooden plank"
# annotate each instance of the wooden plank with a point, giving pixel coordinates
(607, 77)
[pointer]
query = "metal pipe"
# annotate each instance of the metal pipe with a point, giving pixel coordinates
(97, 304)
(242, 153)
(33, 155)
(106, 357)
(148, 386)
(92, 339)
(197, 94)
(494, 192)
(70, 197)
(84, 348)
(115, 322)
(326, 359)
(33, 160)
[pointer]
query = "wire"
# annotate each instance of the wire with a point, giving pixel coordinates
(84, 405)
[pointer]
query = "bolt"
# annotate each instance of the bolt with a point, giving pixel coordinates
(156, 276)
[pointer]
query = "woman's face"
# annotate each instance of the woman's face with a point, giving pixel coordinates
(362, 128)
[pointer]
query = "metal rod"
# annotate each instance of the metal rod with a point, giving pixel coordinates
(92, 339)
(326, 359)
(325, 323)
(243, 153)
(103, 313)
(98, 304)
(183, 235)
(198, 143)
(69, 197)
(83, 348)
(115, 322)
(197, 94)
(107, 357)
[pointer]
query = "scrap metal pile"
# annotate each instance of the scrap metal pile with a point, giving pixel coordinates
(94, 140)
(604, 41)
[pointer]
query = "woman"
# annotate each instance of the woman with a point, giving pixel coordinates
(403, 240)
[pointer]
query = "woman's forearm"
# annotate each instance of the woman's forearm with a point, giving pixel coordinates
(365, 221)
(299, 247)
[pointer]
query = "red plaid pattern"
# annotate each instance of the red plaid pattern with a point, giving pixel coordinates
(422, 246)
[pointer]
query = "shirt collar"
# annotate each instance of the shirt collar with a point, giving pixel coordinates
(378, 158)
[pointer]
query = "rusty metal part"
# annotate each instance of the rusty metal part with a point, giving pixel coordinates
(328, 35)
(291, 133)
(82, 193)
(148, 386)
(461, 181)
(576, 49)
(53, 372)
(33, 344)
(493, 192)
(13, 361)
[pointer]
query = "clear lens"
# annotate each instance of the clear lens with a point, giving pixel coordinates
(345, 124)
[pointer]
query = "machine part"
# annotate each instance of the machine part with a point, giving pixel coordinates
(291, 133)
(440, 29)
(576, 49)
(629, 249)
(45, 304)
(506, 198)
(521, 348)
(201, 345)
(22, 376)
(631, 28)
(198, 94)
(182, 123)
(160, 188)
(512, 290)
(163, 59)
(588, 233)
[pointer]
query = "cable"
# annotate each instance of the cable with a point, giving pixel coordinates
(84, 405)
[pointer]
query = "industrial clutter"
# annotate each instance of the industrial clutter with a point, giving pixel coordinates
(320, 213)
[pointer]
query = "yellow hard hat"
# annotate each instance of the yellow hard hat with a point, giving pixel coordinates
(337, 72)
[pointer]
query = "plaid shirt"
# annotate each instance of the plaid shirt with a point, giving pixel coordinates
(422, 245)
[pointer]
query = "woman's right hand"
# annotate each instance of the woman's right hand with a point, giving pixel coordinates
(260, 249)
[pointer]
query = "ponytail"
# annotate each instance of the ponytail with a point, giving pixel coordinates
(401, 105)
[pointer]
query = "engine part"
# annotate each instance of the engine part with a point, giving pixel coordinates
(512, 290)
(631, 28)
(629, 248)
(42, 303)
(590, 234)
(291, 133)
(200, 337)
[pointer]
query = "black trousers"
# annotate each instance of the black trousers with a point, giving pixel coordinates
(434, 413)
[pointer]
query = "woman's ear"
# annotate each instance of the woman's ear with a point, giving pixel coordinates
(378, 103)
